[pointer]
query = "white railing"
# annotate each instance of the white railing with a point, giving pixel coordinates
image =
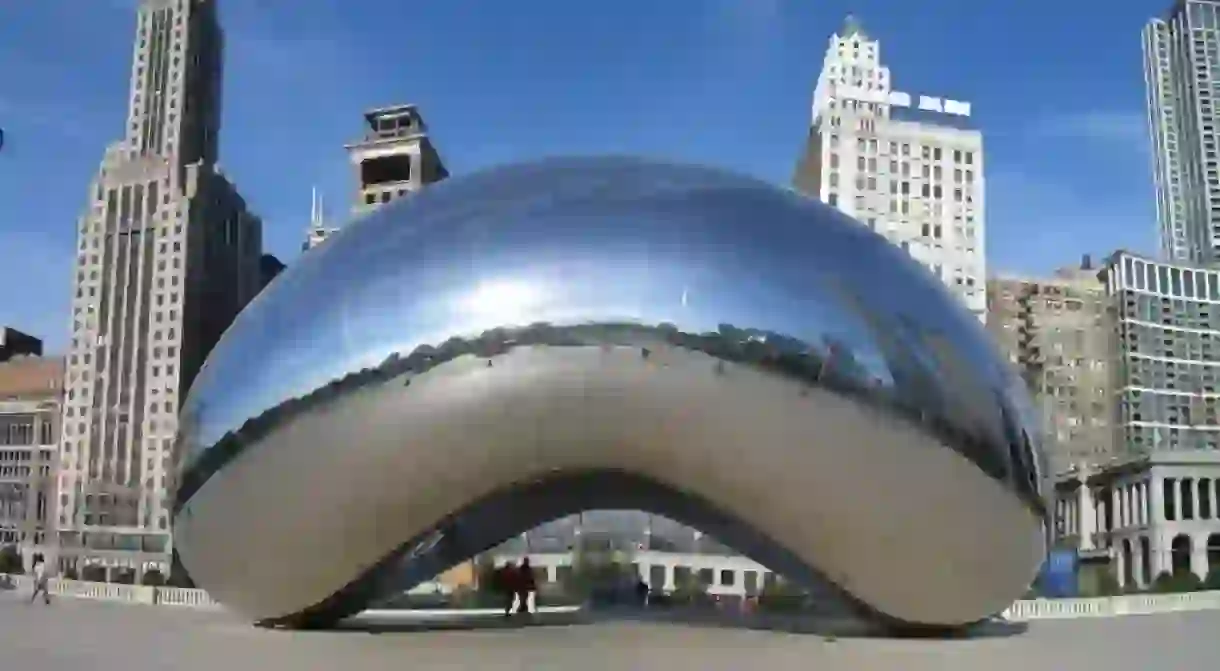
(1020, 611)
(140, 594)
(1114, 606)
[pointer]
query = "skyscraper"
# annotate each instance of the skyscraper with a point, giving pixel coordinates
(1057, 333)
(909, 167)
(1182, 76)
(167, 255)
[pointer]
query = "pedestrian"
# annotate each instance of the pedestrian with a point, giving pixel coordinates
(641, 593)
(40, 580)
(505, 585)
(527, 585)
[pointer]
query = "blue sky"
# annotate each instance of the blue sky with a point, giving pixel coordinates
(1057, 88)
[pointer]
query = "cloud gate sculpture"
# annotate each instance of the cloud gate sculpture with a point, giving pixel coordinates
(608, 333)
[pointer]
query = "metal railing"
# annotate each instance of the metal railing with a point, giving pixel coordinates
(1020, 611)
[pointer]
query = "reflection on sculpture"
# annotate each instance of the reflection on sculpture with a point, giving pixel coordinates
(536, 340)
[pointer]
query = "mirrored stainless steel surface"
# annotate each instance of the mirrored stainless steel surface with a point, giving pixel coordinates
(506, 348)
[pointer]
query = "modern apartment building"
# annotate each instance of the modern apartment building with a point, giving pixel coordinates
(31, 390)
(1167, 377)
(1056, 331)
(1182, 78)
(908, 167)
(396, 157)
(168, 253)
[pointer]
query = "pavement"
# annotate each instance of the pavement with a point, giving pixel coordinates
(101, 636)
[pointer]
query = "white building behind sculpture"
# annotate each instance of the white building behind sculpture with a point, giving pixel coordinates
(910, 167)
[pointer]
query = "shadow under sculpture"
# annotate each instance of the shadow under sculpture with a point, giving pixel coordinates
(535, 340)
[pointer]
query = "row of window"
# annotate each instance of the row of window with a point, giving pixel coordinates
(1169, 281)
(927, 152)
(23, 432)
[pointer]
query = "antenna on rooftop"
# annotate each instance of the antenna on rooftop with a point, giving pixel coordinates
(315, 209)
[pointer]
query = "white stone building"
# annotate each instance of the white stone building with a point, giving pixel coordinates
(1155, 514)
(31, 393)
(909, 167)
(167, 255)
(395, 157)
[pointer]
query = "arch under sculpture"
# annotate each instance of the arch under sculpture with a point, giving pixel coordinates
(534, 340)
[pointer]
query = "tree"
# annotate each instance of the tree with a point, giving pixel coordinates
(781, 596)
(1212, 581)
(1171, 583)
(10, 560)
(1107, 585)
(484, 592)
(154, 578)
(599, 575)
(689, 589)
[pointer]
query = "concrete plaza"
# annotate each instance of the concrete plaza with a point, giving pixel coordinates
(78, 634)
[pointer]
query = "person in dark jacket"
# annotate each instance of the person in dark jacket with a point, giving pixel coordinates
(526, 585)
(503, 583)
(641, 593)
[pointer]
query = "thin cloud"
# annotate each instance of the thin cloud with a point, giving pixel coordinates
(1033, 220)
(749, 20)
(1120, 127)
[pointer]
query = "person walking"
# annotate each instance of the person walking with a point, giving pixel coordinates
(527, 585)
(505, 584)
(641, 593)
(40, 580)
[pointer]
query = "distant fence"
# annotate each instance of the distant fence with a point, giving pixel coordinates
(135, 594)
(1111, 606)
(1020, 611)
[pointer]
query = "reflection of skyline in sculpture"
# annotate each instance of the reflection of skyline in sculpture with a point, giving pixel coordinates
(623, 361)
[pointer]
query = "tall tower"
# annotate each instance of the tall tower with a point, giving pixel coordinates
(1182, 81)
(909, 167)
(167, 255)
(318, 230)
(395, 158)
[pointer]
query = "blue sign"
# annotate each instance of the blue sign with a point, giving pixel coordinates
(1059, 575)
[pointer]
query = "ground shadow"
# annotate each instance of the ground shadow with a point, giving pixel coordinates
(378, 623)
(807, 624)
(383, 622)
